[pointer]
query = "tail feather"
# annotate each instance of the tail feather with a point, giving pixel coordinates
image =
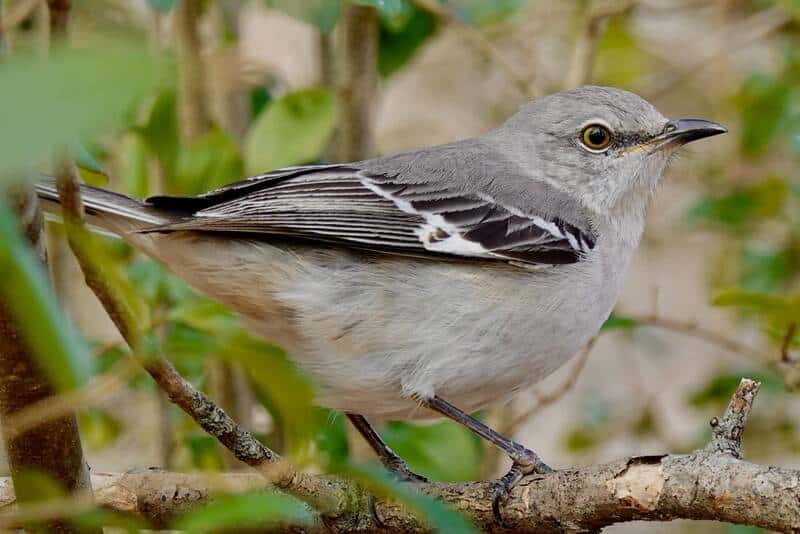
(106, 210)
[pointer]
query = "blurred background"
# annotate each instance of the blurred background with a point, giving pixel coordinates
(180, 97)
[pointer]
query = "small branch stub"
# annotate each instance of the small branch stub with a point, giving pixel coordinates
(727, 431)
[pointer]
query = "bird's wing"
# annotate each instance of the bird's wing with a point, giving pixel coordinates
(352, 206)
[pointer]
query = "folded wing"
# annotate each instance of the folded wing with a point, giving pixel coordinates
(352, 206)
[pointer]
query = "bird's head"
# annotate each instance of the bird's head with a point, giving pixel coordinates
(607, 146)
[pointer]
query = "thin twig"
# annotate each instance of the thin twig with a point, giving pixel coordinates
(546, 399)
(787, 341)
(722, 43)
(483, 45)
(691, 328)
(727, 431)
(16, 15)
(580, 67)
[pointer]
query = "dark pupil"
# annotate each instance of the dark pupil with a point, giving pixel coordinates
(597, 136)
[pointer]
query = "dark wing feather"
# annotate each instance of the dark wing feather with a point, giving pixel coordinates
(345, 205)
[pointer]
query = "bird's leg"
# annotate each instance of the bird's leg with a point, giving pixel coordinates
(525, 460)
(388, 457)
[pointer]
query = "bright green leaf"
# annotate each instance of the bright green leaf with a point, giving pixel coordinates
(241, 512)
(205, 315)
(210, 162)
(51, 104)
(160, 132)
(292, 130)
(619, 322)
(29, 298)
(133, 172)
(442, 451)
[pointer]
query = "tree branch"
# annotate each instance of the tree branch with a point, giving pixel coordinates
(192, 105)
(483, 45)
(357, 82)
(710, 484)
(581, 65)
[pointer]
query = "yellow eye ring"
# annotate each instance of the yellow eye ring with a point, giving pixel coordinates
(596, 137)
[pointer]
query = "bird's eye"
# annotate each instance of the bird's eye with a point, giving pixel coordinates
(596, 137)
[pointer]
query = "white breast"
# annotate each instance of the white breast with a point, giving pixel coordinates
(377, 332)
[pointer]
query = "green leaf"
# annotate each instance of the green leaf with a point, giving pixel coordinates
(619, 322)
(160, 132)
(442, 451)
(292, 130)
(481, 12)
(388, 8)
(162, 6)
(205, 315)
(88, 167)
(110, 519)
(205, 452)
(764, 269)
(133, 171)
(99, 429)
(51, 104)
(765, 103)
(441, 517)
(400, 39)
(717, 391)
(210, 162)
(744, 206)
(287, 393)
(320, 13)
(33, 484)
(761, 302)
(242, 512)
(331, 438)
(24, 291)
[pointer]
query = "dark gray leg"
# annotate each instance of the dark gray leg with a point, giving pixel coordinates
(388, 458)
(525, 460)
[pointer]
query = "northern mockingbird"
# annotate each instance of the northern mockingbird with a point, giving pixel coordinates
(432, 282)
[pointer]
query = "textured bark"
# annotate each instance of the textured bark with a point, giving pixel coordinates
(54, 446)
(357, 73)
(703, 485)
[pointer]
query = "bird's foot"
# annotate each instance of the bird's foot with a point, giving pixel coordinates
(402, 472)
(525, 462)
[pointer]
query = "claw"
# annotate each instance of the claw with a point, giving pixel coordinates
(500, 491)
(402, 472)
(527, 462)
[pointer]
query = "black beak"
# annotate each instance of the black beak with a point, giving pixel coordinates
(678, 132)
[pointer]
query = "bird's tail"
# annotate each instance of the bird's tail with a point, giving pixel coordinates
(105, 210)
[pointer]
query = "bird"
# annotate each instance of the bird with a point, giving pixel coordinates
(434, 282)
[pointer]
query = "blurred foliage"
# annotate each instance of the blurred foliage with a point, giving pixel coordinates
(36, 125)
(114, 106)
(291, 130)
